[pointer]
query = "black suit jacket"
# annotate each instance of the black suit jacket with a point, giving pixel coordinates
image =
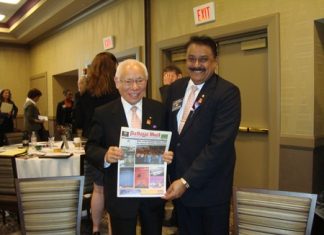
(105, 132)
(204, 151)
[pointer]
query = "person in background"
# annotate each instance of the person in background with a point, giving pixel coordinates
(103, 151)
(170, 74)
(204, 117)
(8, 111)
(82, 84)
(100, 89)
(64, 111)
(31, 115)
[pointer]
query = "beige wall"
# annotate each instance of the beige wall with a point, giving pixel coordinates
(76, 46)
(14, 73)
(174, 18)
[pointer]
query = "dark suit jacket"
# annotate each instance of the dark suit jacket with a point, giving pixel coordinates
(204, 151)
(63, 114)
(164, 92)
(85, 107)
(105, 131)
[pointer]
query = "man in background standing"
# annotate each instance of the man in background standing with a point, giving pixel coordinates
(170, 74)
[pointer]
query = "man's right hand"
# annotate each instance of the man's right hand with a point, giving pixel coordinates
(114, 154)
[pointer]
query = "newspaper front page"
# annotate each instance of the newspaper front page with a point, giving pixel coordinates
(142, 172)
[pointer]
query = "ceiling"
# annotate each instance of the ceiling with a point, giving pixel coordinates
(32, 20)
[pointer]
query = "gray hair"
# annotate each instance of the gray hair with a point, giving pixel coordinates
(122, 66)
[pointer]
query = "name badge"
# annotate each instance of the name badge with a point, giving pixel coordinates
(176, 105)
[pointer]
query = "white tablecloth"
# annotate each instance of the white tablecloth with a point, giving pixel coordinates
(34, 167)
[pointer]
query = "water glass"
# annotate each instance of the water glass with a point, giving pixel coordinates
(77, 142)
(51, 141)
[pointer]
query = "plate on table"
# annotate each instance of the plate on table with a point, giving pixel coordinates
(56, 155)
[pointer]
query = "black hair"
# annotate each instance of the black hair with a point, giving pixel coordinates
(203, 40)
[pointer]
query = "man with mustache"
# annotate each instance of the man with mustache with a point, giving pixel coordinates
(204, 117)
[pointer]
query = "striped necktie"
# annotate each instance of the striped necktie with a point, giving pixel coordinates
(136, 121)
(187, 108)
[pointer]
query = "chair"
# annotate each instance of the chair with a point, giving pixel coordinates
(8, 198)
(50, 205)
(259, 211)
(13, 138)
(88, 185)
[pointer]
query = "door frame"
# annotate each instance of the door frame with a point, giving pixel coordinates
(271, 24)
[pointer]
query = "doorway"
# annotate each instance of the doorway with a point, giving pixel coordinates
(61, 82)
(249, 57)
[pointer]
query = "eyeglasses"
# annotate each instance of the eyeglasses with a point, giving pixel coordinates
(201, 60)
(129, 82)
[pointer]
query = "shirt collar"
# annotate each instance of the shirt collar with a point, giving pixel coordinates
(127, 106)
(192, 84)
(30, 100)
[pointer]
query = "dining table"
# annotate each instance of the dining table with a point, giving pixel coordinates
(44, 161)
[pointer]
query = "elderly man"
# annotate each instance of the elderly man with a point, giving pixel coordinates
(103, 151)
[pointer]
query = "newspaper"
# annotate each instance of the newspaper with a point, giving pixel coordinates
(142, 172)
(45, 118)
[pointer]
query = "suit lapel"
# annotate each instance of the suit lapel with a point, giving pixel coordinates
(119, 112)
(178, 96)
(148, 115)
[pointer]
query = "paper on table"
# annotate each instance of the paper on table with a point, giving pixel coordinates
(13, 152)
(56, 155)
(6, 107)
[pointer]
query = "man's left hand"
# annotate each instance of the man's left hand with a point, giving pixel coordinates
(176, 189)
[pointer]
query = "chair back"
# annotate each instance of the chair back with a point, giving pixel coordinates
(260, 211)
(50, 205)
(8, 198)
(13, 137)
(88, 173)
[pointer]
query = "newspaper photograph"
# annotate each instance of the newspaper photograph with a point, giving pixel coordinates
(142, 171)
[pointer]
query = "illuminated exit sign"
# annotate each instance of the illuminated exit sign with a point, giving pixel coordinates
(108, 43)
(204, 13)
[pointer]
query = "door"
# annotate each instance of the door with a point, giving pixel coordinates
(243, 61)
(245, 64)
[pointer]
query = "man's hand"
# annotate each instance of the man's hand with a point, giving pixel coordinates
(113, 154)
(168, 157)
(176, 189)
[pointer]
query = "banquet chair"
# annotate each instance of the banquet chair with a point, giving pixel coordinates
(8, 198)
(13, 137)
(88, 185)
(260, 211)
(50, 205)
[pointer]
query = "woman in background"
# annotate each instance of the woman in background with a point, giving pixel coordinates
(8, 111)
(100, 89)
(64, 111)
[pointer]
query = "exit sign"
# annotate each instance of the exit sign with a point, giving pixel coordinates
(108, 42)
(204, 13)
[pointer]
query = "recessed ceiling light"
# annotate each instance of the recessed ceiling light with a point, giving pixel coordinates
(2, 17)
(10, 1)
